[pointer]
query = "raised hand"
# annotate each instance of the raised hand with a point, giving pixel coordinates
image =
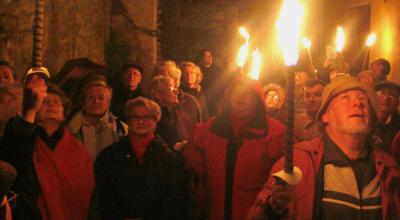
(35, 90)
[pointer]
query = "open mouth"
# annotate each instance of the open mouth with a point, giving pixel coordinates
(357, 116)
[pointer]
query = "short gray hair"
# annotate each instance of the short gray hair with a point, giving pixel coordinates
(156, 84)
(150, 105)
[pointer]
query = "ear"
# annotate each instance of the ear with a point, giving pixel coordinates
(325, 118)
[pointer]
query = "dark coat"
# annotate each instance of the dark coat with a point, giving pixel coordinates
(120, 96)
(387, 132)
(174, 126)
(155, 189)
(201, 99)
(190, 106)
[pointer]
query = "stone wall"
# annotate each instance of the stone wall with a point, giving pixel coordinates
(133, 34)
(73, 29)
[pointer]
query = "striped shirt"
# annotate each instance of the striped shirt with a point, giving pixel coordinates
(351, 188)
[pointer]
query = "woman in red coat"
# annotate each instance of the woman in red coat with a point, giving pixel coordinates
(231, 154)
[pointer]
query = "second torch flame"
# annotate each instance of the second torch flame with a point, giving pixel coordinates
(370, 40)
(256, 65)
(244, 49)
(340, 39)
(289, 30)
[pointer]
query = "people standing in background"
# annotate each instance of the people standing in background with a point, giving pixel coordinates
(388, 118)
(307, 127)
(381, 69)
(7, 74)
(275, 101)
(211, 83)
(94, 124)
(367, 77)
(175, 126)
(127, 86)
(10, 102)
(191, 79)
(187, 103)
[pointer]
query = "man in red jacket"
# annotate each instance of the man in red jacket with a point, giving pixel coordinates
(344, 175)
(232, 154)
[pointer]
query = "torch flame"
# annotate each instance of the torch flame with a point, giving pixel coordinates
(244, 49)
(340, 39)
(370, 40)
(306, 43)
(256, 66)
(289, 29)
(242, 54)
(244, 33)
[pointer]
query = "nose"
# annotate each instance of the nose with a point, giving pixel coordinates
(357, 102)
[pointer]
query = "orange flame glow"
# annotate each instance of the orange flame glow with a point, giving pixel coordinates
(244, 49)
(370, 40)
(340, 39)
(256, 65)
(289, 29)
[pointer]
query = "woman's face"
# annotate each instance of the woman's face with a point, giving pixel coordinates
(51, 109)
(243, 101)
(189, 75)
(272, 100)
(141, 122)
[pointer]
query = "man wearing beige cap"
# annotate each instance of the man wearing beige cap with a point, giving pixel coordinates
(344, 175)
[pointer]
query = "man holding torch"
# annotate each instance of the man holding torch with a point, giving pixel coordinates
(344, 175)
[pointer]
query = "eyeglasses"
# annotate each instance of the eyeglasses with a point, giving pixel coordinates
(144, 118)
(385, 94)
(172, 89)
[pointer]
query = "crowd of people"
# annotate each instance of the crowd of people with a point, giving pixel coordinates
(196, 143)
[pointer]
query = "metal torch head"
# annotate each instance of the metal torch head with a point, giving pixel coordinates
(40, 72)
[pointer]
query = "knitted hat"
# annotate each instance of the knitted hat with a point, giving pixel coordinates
(342, 84)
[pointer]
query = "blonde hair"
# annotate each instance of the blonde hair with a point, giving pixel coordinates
(196, 69)
(172, 71)
(150, 105)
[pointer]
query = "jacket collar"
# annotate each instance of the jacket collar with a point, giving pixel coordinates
(315, 148)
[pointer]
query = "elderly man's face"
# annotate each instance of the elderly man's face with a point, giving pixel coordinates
(348, 113)
(132, 77)
(243, 101)
(388, 100)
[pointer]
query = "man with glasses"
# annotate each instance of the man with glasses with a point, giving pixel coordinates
(389, 119)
